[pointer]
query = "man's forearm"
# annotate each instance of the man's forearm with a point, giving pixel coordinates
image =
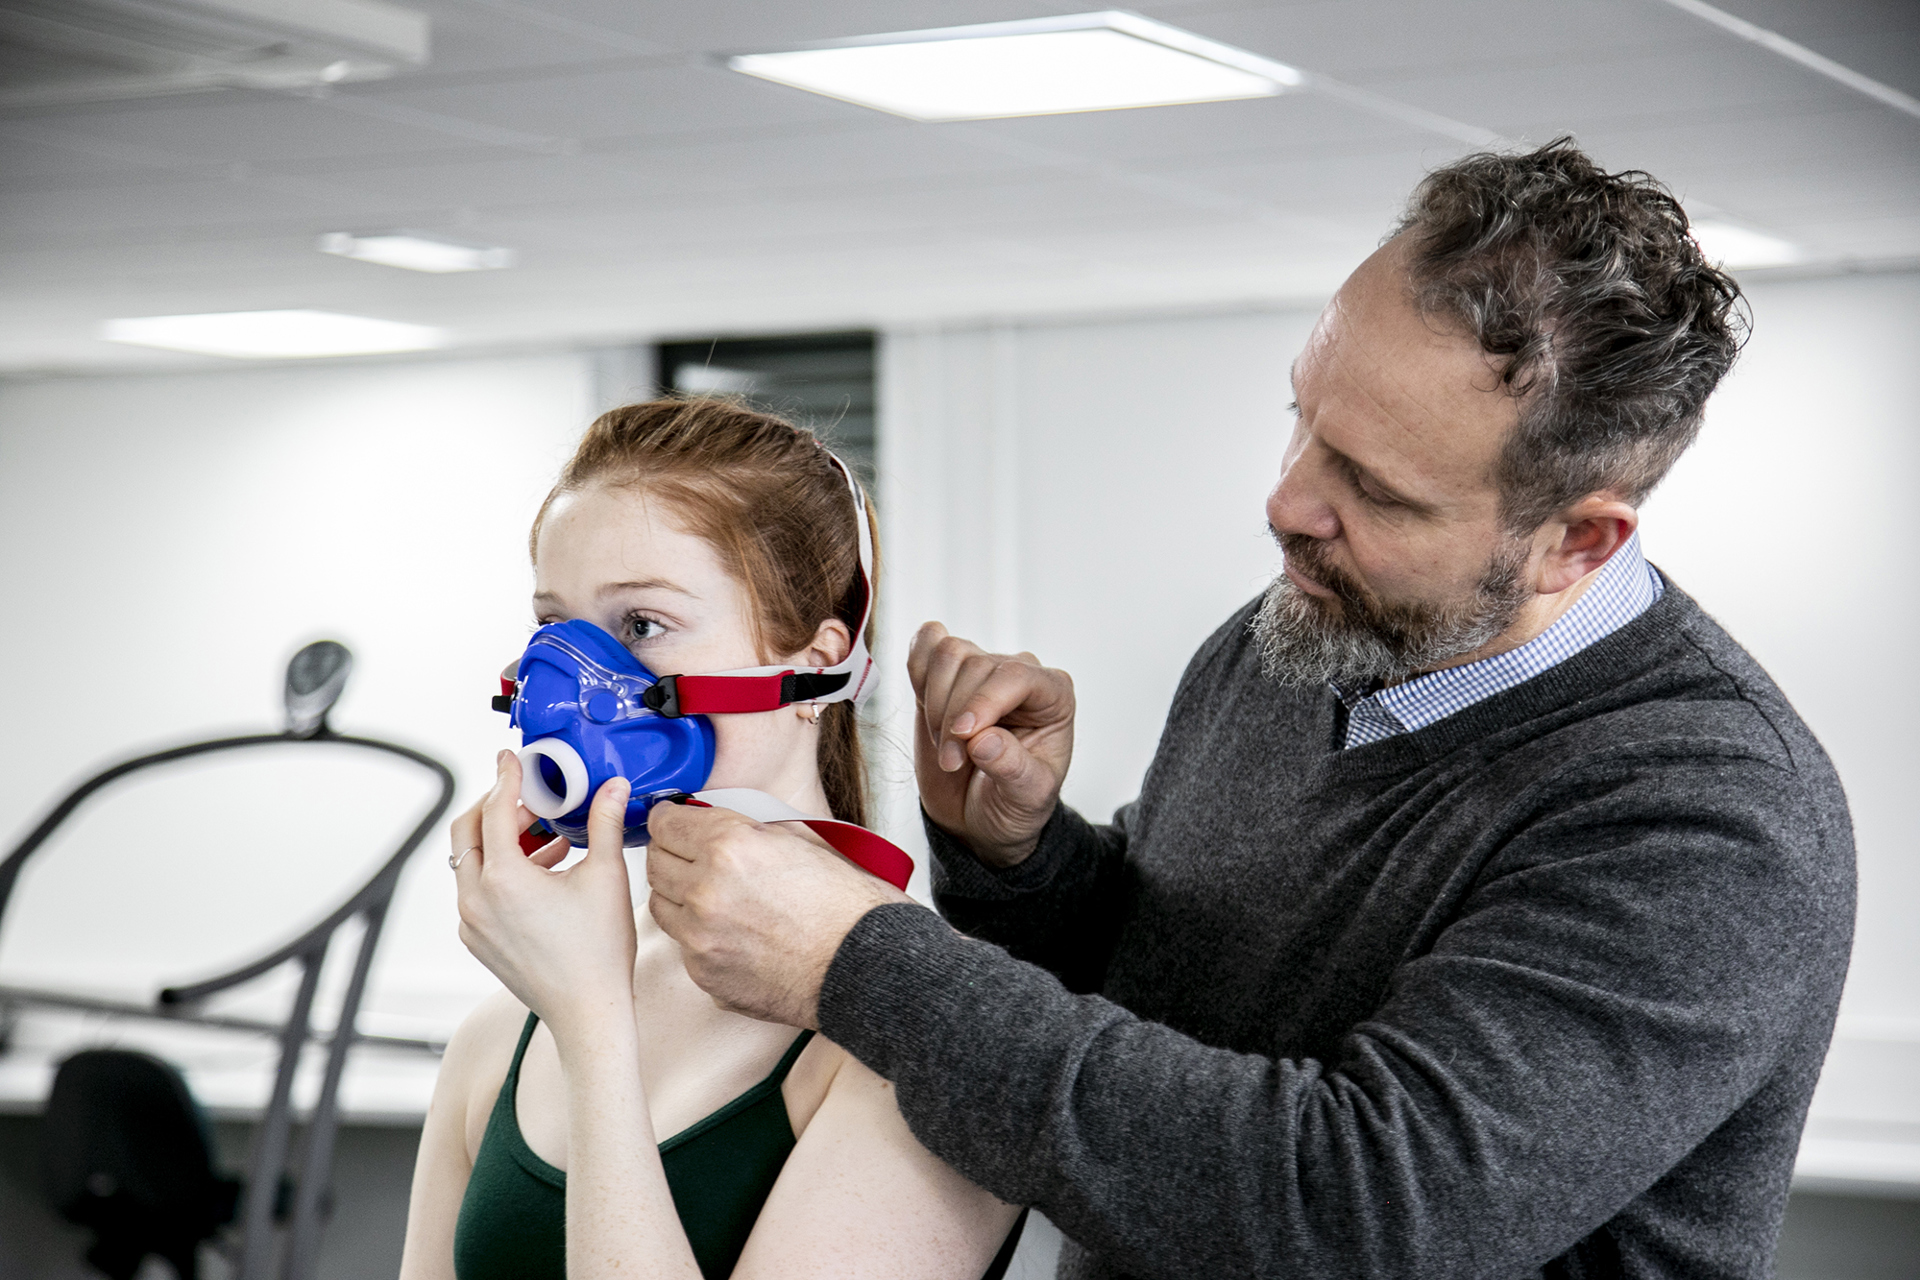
(1479, 1123)
(987, 1054)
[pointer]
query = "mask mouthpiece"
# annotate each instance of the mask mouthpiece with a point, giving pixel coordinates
(540, 762)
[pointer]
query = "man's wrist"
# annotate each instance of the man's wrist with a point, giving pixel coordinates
(1005, 857)
(959, 872)
(996, 856)
(876, 895)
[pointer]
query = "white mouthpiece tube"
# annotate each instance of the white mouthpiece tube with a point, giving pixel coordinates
(540, 798)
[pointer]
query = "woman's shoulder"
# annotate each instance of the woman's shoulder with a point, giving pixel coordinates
(815, 1073)
(478, 1055)
(492, 1030)
(824, 1070)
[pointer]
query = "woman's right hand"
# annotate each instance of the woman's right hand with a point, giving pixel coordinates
(993, 738)
(561, 941)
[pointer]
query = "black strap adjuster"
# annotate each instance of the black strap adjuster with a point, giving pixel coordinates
(805, 686)
(662, 697)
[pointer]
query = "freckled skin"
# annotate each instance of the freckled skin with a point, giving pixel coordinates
(1392, 460)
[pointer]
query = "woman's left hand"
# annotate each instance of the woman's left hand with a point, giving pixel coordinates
(561, 941)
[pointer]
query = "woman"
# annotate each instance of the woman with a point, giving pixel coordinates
(707, 538)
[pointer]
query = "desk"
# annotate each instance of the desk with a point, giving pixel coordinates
(230, 1072)
(1863, 1131)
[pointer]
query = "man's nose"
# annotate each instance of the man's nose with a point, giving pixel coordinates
(1296, 506)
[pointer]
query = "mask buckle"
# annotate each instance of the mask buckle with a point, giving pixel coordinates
(662, 697)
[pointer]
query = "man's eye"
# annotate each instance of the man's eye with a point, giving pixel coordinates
(1368, 493)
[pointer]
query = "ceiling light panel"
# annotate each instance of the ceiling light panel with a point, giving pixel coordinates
(1734, 246)
(1045, 66)
(413, 251)
(62, 52)
(273, 335)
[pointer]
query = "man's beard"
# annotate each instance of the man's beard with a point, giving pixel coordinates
(1304, 641)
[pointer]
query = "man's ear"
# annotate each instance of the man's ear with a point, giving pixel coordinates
(832, 642)
(1582, 538)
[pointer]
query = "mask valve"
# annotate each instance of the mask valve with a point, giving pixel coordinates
(537, 793)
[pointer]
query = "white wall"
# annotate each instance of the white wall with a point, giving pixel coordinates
(170, 541)
(1791, 521)
(1093, 492)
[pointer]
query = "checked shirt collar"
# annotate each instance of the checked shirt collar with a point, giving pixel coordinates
(1626, 588)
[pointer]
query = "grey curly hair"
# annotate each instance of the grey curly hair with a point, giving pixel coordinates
(1610, 326)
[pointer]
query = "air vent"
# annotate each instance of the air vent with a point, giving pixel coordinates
(60, 52)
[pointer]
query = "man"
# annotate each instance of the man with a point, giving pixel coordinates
(1485, 909)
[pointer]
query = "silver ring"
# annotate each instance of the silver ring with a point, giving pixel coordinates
(455, 859)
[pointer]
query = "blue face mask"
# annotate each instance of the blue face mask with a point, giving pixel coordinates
(578, 702)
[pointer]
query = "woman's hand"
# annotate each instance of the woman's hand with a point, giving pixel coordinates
(561, 941)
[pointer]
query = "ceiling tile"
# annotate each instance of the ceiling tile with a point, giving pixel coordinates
(649, 190)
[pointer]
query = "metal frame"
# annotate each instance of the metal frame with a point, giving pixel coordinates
(271, 1157)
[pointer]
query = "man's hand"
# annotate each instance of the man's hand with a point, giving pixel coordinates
(994, 735)
(758, 911)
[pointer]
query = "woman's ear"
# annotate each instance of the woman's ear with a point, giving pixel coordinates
(831, 645)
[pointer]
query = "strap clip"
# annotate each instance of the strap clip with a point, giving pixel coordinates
(662, 697)
(805, 686)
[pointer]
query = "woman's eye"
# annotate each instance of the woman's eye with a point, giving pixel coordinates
(643, 629)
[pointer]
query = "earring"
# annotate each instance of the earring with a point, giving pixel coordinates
(812, 719)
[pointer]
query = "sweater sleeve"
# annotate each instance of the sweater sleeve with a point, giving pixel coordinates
(1628, 968)
(1059, 909)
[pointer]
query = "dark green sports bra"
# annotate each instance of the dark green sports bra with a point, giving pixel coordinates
(513, 1218)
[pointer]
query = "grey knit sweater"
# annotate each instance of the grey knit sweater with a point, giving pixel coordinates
(1540, 989)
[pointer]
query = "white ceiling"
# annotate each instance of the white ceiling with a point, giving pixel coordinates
(650, 192)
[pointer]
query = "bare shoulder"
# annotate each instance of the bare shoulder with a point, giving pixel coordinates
(857, 1089)
(812, 1078)
(476, 1062)
(856, 1152)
